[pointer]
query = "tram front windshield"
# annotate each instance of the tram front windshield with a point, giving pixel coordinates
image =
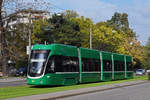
(37, 62)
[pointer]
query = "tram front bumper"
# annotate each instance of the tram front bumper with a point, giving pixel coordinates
(39, 81)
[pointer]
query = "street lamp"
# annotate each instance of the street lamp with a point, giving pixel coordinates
(90, 36)
(30, 41)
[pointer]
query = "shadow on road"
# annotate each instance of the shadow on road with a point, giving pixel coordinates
(45, 86)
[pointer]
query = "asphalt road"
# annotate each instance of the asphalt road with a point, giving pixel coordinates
(136, 92)
(14, 83)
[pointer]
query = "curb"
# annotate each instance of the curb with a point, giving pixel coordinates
(92, 91)
(12, 80)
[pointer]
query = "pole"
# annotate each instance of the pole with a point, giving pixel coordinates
(113, 66)
(29, 32)
(90, 37)
(101, 60)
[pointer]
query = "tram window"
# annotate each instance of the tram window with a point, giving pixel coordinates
(115, 65)
(119, 66)
(85, 65)
(122, 66)
(50, 65)
(129, 66)
(97, 65)
(58, 64)
(66, 64)
(70, 64)
(90, 65)
(107, 65)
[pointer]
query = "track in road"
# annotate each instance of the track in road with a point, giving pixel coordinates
(136, 92)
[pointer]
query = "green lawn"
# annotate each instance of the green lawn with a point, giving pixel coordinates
(12, 92)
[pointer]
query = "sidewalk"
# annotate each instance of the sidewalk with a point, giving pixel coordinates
(63, 94)
(13, 79)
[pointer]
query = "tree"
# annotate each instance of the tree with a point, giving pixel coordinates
(3, 56)
(40, 34)
(120, 23)
(69, 14)
(61, 30)
(147, 54)
(84, 24)
(8, 7)
(16, 44)
(132, 47)
(106, 39)
(115, 22)
(124, 20)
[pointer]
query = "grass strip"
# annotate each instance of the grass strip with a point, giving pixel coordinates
(18, 91)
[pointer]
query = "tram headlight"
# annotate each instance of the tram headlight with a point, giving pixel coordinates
(33, 81)
(41, 81)
(48, 76)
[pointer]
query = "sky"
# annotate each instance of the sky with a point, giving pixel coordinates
(102, 10)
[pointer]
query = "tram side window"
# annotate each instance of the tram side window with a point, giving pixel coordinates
(90, 65)
(122, 66)
(129, 66)
(66, 64)
(107, 65)
(50, 65)
(119, 66)
(85, 65)
(97, 65)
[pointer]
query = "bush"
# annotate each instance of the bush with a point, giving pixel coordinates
(148, 75)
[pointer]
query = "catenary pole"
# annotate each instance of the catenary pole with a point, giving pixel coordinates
(90, 37)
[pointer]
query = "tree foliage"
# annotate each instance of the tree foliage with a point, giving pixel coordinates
(69, 14)
(120, 23)
(106, 39)
(147, 54)
(16, 44)
(84, 24)
(58, 29)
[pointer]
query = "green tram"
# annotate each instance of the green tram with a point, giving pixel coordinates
(58, 64)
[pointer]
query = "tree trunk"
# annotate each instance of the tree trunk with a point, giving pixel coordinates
(3, 55)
